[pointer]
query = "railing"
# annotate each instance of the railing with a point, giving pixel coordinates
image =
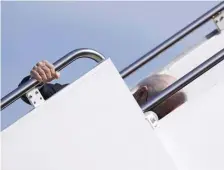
(185, 80)
(172, 40)
(59, 65)
(87, 53)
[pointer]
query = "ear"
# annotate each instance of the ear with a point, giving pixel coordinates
(141, 94)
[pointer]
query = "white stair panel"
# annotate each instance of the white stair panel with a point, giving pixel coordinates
(193, 134)
(94, 123)
(188, 61)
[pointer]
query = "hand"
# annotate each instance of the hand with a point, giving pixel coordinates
(44, 72)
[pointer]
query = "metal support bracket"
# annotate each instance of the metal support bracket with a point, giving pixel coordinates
(152, 118)
(219, 20)
(35, 97)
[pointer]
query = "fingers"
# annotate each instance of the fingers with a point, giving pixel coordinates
(40, 64)
(48, 72)
(44, 72)
(36, 75)
(54, 73)
(57, 75)
(49, 65)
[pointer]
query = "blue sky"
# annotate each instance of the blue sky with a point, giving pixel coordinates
(122, 31)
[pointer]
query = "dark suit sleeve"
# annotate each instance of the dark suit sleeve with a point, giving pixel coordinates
(47, 90)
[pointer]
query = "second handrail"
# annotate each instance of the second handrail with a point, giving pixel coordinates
(172, 40)
(184, 81)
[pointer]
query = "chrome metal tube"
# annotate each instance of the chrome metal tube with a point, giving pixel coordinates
(185, 80)
(172, 40)
(59, 65)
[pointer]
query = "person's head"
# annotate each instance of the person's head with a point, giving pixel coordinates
(152, 86)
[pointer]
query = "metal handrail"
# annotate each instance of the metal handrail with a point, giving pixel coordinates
(59, 65)
(88, 53)
(172, 40)
(185, 80)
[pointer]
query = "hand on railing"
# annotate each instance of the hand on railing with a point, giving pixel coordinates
(44, 72)
(58, 65)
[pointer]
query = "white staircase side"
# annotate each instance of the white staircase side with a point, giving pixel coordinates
(94, 123)
(193, 133)
(192, 59)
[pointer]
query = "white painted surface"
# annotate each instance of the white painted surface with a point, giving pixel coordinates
(94, 123)
(192, 59)
(193, 135)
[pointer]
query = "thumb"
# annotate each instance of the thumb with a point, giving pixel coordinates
(57, 75)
